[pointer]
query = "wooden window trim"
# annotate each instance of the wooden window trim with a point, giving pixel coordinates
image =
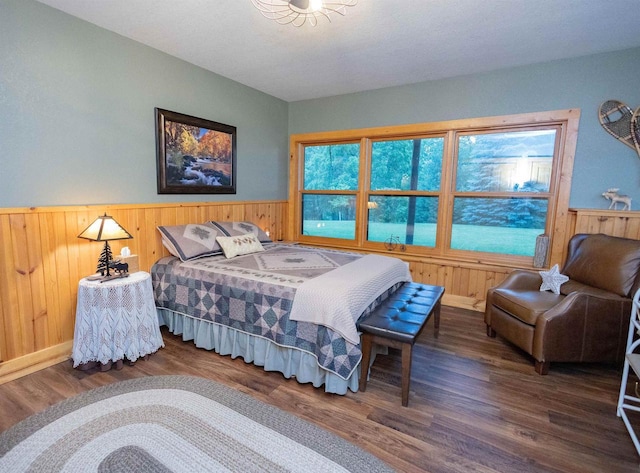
(559, 192)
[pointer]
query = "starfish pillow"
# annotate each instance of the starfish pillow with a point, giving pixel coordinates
(552, 279)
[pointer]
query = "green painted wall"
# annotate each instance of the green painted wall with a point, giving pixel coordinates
(601, 161)
(77, 120)
(77, 123)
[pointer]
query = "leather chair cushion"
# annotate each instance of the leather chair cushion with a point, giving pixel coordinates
(525, 305)
(592, 261)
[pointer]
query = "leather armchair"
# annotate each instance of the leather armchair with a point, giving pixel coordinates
(588, 321)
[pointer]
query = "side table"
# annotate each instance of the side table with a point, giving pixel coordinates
(115, 320)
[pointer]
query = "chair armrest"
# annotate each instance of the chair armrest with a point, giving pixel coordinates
(518, 279)
(585, 326)
(522, 280)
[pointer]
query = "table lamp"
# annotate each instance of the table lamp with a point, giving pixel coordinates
(106, 229)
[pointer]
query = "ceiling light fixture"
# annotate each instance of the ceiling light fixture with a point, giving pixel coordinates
(299, 12)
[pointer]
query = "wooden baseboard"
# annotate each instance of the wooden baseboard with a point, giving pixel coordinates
(18, 367)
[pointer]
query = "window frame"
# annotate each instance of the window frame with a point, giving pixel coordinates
(550, 196)
(345, 192)
(566, 122)
(410, 249)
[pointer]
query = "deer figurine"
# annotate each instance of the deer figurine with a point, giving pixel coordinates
(614, 197)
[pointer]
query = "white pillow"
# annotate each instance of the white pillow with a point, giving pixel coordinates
(552, 280)
(239, 245)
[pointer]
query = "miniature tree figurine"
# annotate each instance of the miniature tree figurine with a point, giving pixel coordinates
(105, 258)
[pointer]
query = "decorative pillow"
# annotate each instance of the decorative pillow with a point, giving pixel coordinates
(552, 280)
(240, 228)
(190, 241)
(239, 245)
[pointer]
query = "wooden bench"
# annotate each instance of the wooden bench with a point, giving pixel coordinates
(397, 323)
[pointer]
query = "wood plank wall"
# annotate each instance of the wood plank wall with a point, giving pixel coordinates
(466, 283)
(42, 259)
(610, 222)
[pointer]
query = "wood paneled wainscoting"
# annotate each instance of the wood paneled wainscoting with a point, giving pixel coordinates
(42, 259)
(619, 223)
(466, 283)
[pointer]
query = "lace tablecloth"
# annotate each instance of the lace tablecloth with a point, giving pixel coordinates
(115, 320)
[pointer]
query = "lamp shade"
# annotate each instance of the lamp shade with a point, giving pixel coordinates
(105, 228)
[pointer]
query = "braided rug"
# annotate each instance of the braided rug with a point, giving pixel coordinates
(174, 424)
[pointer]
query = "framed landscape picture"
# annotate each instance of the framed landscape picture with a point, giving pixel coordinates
(195, 156)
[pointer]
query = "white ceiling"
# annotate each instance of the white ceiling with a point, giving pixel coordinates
(378, 43)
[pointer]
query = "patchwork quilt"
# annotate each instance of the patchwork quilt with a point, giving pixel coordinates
(254, 294)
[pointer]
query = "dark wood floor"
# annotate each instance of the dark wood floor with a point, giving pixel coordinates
(476, 404)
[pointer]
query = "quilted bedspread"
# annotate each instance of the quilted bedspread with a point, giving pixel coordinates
(337, 299)
(254, 294)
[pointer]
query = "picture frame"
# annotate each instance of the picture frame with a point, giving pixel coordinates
(194, 155)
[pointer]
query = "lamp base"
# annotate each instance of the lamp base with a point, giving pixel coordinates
(114, 276)
(105, 278)
(94, 277)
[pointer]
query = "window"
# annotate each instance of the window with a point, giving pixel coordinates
(330, 185)
(502, 191)
(404, 189)
(480, 189)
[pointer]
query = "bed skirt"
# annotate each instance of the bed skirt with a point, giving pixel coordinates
(225, 340)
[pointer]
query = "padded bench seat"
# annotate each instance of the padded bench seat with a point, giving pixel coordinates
(397, 323)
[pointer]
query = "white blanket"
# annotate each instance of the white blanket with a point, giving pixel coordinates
(336, 299)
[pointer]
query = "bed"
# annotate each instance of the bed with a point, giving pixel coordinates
(286, 308)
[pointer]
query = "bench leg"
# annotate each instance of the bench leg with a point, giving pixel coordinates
(542, 367)
(407, 348)
(436, 319)
(366, 359)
